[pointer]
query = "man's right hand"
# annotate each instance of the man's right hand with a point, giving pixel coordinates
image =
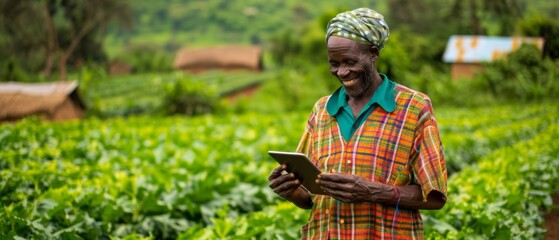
(288, 187)
(283, 184)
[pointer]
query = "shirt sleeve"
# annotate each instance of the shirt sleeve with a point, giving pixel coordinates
(428, 160)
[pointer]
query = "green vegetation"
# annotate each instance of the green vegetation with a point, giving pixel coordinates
(471, 134)
(159, 176)
(158, 94)
(503, 196)
(206, 177)
(523, 74)
(174, 23)
(136, 169)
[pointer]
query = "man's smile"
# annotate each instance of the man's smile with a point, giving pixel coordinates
(351, 82)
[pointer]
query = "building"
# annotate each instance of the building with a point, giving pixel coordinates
(466, 54)
(54, 101)
(226, 58)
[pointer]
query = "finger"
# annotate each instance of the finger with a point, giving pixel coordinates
(277, 172)
(288, 186)
(337, 177)
(274, 183)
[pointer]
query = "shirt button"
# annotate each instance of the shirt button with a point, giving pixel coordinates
(327, 211)
(348, 161)
(341, 221)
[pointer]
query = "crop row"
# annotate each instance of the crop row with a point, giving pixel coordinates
(465, 148)
(203, 177)
(504, 195)
(127, 95)
(96, 179)
(127, 85)
(466, 120)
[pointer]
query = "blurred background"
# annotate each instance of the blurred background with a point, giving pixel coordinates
(124, 119)
(136, 57)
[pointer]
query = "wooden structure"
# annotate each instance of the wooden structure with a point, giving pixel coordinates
(466, 54)
(196, 60)
(55, 101)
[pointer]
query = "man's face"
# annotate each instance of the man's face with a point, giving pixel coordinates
(352, 64)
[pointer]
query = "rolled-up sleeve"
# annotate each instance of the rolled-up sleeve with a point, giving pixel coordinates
(429, 161)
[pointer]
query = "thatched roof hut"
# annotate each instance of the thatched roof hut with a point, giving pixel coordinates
(52, 101)
(221, 58)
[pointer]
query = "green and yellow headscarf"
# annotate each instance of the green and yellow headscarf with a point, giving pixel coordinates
(362, 25)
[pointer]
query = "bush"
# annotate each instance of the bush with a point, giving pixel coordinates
(147, 58)
(542, 26)
(10, 71)
(189, 97)
(523, 75)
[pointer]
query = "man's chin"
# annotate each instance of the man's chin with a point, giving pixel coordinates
(354, 94)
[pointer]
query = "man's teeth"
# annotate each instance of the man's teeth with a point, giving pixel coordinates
(349, 82)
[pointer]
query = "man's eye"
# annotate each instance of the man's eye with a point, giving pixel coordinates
(334, 64)
(350, 63)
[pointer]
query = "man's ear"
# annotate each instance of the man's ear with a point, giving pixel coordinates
(374, 52)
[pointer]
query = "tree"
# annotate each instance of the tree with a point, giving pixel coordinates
(542, 26)
(422, 16)
(82, 18)
(51, 31)
(20, 48)
(441, 18)
(493, 17)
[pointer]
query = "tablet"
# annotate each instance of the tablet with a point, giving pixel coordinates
(303, 168)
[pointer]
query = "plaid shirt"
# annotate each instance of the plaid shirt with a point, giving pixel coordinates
(396, 148)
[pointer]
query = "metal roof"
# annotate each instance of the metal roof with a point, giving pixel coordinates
(475, 49)
(50, 88)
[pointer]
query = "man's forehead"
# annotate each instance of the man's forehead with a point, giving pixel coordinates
(340, 42)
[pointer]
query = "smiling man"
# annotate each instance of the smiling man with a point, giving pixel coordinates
(376, 142)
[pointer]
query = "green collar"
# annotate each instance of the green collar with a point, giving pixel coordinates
(383, 96)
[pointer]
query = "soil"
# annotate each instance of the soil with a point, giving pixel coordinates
(552, 220)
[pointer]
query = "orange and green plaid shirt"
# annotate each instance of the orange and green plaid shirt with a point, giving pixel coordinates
(397, 148)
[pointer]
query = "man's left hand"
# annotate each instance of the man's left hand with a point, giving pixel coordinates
(349, 188)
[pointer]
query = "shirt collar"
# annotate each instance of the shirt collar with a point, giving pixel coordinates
(383, 96)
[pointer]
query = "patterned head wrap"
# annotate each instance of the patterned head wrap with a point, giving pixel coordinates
(362, 25)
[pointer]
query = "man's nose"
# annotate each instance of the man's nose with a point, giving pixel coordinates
(342, 72)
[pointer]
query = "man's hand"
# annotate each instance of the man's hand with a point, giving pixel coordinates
(283, 184)
(349, 188)
(288, 187)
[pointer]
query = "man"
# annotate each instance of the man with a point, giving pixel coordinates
(376, 142)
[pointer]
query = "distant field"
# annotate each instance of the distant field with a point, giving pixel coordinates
(140, 93)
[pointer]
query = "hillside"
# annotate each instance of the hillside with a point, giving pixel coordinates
(173, 23)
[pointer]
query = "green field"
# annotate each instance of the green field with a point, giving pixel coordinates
(206, 177)
(142, 93)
